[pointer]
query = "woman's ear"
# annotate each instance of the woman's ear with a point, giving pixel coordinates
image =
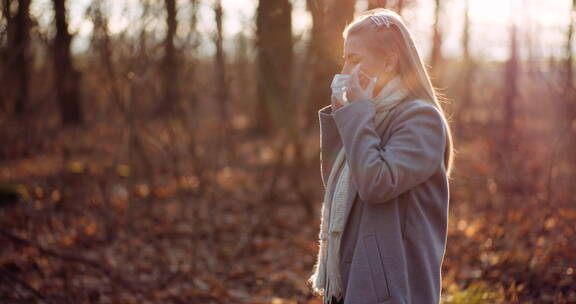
(390, 62)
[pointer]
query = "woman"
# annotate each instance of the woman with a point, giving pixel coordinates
(386, 157)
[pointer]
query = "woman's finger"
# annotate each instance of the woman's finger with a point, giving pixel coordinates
(339, 79)
(370, 87)
(354, 76)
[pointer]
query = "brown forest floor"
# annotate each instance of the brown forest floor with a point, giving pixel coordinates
(96, 226)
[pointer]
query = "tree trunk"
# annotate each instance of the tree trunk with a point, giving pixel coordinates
(169, 65)
(220, 63)
(400, 6)
(274, 44)
(510, 89)
(327, 46)
(21, 56)
(372, 4)
(16, 57)
(569, 70)
(6, 81)
(569, 89)
(467, 71)
(436, 53)
(67, 78)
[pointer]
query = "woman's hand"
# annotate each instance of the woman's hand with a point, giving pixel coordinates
(354, 91)
(338, 86)
(335, 103)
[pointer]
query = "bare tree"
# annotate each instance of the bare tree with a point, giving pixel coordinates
(511, 87)
(467, 68)
(242, 62)
(326, 48)
(194, 39)
(436, 53)
(568, 63)
(101, 43)
(275, 56)
(169, 63)
(16, 58)
(372, 4)
(6, 36)
(569, 89)
(400, 6)
(67, 78)
(220, 63)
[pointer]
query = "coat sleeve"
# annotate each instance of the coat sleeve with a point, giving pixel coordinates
(383, 171)
(330, 142)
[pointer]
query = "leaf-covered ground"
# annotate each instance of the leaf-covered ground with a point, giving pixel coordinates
(100, 221)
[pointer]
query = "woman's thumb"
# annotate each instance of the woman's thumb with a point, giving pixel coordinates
(371, 85)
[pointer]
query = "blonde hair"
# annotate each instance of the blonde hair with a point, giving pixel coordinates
(411, 68)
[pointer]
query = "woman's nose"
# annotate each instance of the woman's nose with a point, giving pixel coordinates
(345, 70)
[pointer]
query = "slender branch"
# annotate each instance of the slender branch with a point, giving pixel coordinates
(26, 286)
(116, 278)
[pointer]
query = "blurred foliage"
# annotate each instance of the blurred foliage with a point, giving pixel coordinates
(135, 206)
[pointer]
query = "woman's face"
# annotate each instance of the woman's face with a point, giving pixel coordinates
(355, 53)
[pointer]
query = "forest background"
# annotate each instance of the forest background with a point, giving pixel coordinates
(168, 151)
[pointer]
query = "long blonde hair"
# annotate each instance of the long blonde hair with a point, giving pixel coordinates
(411, 68)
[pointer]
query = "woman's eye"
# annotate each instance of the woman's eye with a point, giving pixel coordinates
(351, 61)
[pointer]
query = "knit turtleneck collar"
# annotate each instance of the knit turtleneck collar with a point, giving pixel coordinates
(389, 96)
(392, 91)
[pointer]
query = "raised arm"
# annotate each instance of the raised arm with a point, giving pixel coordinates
(383, 171)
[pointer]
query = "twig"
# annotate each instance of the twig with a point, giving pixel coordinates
(27, 286)
(132, 286)
(267, 194)
(24, 242)
(552, 161)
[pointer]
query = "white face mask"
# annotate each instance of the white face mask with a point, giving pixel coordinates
(338, 86)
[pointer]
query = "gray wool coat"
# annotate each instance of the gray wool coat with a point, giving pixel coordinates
(395, 233)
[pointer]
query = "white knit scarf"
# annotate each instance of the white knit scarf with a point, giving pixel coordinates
(326, 279)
